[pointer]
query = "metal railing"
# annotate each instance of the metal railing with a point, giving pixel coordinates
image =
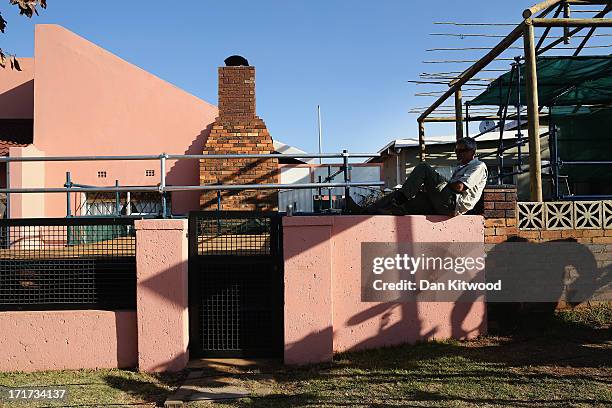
(162, 188)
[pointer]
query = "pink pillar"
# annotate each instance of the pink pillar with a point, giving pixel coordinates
(162, 308)
(308, 289)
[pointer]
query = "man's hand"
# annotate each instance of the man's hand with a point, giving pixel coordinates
(457, 187)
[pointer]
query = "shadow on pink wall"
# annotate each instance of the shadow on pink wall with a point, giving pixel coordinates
(187, 172)
(18, 102)
(323, 293)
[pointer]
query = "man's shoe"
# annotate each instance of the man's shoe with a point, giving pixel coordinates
(352, 208)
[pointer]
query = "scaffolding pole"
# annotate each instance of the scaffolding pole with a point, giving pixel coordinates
(533, 114)
(459, 114)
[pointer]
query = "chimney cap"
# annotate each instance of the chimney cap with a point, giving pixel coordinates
(236, 61)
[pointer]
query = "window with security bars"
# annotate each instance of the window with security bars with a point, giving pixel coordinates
(67, 264)
(225, 235)
(122, 204)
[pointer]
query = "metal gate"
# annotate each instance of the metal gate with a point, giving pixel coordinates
(235, 284)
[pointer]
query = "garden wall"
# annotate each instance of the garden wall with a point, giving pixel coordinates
(323, 308)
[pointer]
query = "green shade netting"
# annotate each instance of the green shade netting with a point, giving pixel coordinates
(561, 81)
(557, 112)
(584, 135)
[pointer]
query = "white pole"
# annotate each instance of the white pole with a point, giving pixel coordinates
(320, 133)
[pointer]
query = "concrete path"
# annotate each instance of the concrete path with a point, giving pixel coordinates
(223, 379)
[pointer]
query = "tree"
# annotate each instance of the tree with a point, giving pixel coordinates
(27, 8)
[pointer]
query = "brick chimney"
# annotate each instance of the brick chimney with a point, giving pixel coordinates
(238, 130)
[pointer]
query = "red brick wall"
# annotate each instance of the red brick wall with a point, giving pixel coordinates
(238, 130)
(499, 213)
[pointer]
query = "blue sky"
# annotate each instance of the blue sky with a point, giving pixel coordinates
(354, 58)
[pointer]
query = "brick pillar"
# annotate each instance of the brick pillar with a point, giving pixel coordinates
(499, 213)
(238, 130)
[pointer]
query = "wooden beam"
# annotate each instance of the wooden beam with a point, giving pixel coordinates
(566, 30)
(528, 13)
(601, 14)
(572, 22)
(421, 141)
(547, 29)
(588, 2)
(454, 119)
(458, 114)
(449, 119)
(584, 41)
(533, 119)
(474, 69)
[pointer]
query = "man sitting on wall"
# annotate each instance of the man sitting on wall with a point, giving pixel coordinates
(427, 192)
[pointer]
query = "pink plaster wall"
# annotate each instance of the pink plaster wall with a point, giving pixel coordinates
(162, 308)
(57, 340)
(308, 285)
(23, 175)
(17, 91)
(88, 101)
(355, 324)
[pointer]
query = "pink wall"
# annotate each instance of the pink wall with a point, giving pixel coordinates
(17, 91)
(24, 175)
(31, 341)
(323, 308)
(154, 338)
(88, 101)
(162, 308)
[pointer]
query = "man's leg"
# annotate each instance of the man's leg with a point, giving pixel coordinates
(386, 205)
(420, 204)
(410, 199)
(443, 202)
(423, 175)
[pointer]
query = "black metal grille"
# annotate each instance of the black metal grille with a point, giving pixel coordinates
(236, 284)
(67, 264)
(231, 234)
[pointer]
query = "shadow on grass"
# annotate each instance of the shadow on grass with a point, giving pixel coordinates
(548, 359)
(146, 391)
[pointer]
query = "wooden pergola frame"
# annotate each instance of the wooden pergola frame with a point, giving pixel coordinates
(525, 29)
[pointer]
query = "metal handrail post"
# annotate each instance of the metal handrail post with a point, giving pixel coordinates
(555, 158)
(68, 203)
(117, 199)
(500, 147)
(329, 189)
(347, 189)
(519, 133)
(8, 195)
(162, 185)
(467, 120)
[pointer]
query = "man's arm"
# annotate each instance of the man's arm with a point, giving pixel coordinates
(457, 187)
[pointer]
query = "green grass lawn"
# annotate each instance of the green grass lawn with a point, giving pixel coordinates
(563, 361)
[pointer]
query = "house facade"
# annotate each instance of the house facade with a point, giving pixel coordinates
(83, 101)
(77, 99)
